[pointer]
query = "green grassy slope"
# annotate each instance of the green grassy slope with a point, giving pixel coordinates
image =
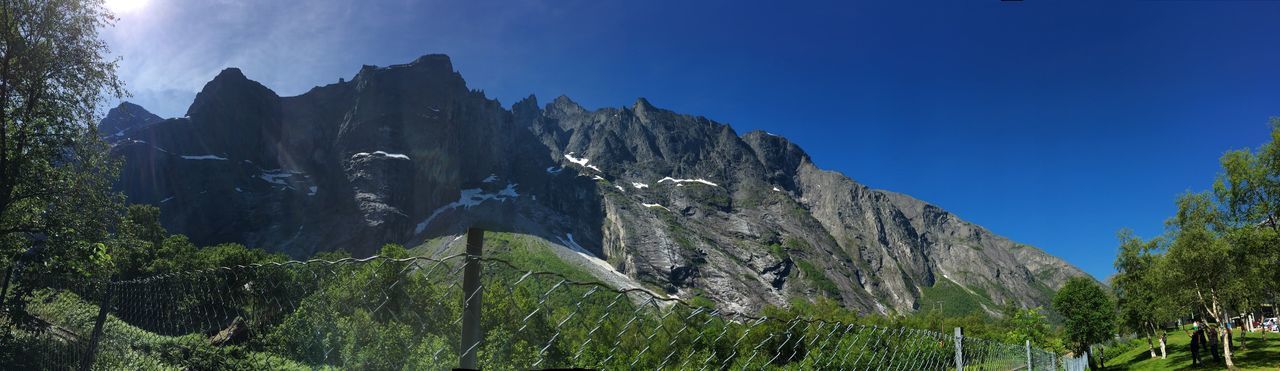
(1256, 354)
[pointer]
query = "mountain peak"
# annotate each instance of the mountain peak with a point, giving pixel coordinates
(230, 85)
(440, 61)
(563, 106)
(642, 104)
(526, 110)
(126, 116)
(230, 73)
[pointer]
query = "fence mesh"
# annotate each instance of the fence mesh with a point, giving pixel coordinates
(382, 313)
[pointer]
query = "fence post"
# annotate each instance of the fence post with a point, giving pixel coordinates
(472, 293)
(1028, 355)
(959, 350)
(103, 307)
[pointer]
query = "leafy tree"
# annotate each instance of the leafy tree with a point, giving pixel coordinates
(1030, 324)
(55, 173)
(137, 237)
(1246, 192)
(233, 254)
(1088, 313)
(1201, 260)
(1137, 287)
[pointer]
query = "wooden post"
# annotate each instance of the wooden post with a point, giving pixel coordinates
(959, 350)
(472, 292)
(86, 361)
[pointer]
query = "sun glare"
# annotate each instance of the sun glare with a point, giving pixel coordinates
(125, 6)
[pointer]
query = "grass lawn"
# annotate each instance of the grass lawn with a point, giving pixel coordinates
(1256, 355)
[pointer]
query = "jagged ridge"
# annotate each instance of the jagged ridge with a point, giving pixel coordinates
(408, 152)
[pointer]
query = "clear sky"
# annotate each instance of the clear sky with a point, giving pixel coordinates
(1049, 122)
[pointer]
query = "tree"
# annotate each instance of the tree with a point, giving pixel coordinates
(1136, 286)
(1030, 324)
(55, 173)
(1202, 261)
(1088, 313)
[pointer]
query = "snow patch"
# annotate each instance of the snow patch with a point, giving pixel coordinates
(597, 177)
(468, 198)
(639, 185)
(276, 176)
(166, 200)
(238, 189)
(204, 157)
(490, 179)
(655, 205)
(554, 170)
(311, 191)
(510, 191)
(681, 181)
(573, 245)
(581, 161)
(775, 189)
(619, 188)
(380, 154)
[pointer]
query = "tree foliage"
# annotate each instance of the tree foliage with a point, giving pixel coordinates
(1088, 313)
(55, 173)
(1218, 257)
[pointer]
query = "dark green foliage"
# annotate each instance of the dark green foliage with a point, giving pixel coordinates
(777, 251)
(793, 243)
(818, 278)
(55, 173)
(953, 300)
(1088, 313)
(398, 312)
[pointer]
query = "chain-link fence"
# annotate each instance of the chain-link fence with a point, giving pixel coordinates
(383, 313)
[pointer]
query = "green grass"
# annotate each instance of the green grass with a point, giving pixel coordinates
(819, 279)
(531, 253)
(1256, 355)
(954, 300)
(124, 346)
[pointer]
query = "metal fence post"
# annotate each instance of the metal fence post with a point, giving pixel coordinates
(959, 350)
(86, 362)
(472, 293)
(1028, 344)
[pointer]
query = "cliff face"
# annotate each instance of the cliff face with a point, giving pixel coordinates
(407, 153)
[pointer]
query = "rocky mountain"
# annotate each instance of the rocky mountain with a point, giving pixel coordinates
(124, 117)
(642, 196)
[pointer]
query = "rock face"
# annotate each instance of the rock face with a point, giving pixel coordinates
(407, 153)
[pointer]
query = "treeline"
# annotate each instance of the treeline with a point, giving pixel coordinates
(403, 314)
(1218, 257)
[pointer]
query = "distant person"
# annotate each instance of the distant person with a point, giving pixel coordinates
(1214, 346)
(1197, 338)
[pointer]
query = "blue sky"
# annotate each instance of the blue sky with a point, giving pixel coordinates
(1052, 123)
